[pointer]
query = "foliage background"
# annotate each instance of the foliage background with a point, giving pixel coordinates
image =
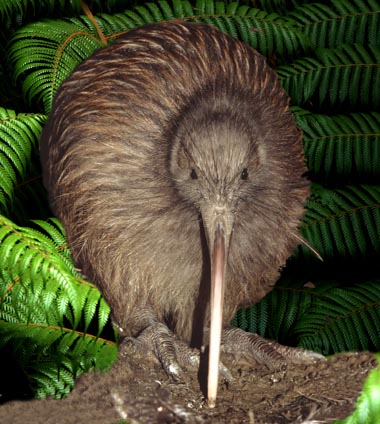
(53, 323)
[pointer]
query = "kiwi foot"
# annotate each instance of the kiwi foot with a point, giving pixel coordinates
(250, 346)
(173, 354)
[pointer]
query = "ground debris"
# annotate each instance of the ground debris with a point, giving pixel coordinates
(136, 389)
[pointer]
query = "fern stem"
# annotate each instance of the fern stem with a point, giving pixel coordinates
(90, 16)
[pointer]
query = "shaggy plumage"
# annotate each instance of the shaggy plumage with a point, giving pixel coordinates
(143, 134)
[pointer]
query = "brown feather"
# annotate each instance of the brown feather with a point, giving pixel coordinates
(126, 129)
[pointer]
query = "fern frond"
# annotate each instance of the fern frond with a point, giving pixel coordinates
(45, 60)
(267, 32)
(55, 231)
(342, 76)
(52, 230)
(341, 22)
(276, 6)
(327, 319)
(276, 314)
(46, 308)
(19, 136)
(42, 62)
(49, 380)
(18, 12)
(342, 319)
(55, 356)
(36, 273)
(343, 223)
(255, 319)
(21, 10)
(341, 148)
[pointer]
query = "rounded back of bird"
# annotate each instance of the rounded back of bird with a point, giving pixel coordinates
(141, 136)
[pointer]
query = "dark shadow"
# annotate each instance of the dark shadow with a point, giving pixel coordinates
(14, 382)
(203, 371)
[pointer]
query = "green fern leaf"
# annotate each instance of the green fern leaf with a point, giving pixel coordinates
(343, 223)
(254, 319)
(47, 60)
(37, 276)
(41, 294)
(54, 230)
(51, 381)
(275, 315)
(341, 319)
(328, 318)
(341, 22)
(19, 11)
(341, 148)
(42, 63)
(276, 6)
(333, 78)
(19, 135)
(269, 33)
(89, 310)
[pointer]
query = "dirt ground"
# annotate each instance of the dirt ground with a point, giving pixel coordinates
(136, 388)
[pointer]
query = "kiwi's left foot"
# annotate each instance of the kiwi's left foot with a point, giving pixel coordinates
(240, 343)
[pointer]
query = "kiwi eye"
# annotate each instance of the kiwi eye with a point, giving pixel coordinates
(193, 174)
(244, 174)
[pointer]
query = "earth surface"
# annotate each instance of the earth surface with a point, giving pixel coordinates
(136, 390)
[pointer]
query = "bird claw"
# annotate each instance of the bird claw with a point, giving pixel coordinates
(172, 353)
(252, 346)
(161, 343)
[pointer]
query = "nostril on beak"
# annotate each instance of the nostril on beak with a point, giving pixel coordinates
(219, 210)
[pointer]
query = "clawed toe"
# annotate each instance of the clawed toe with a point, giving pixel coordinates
(252, 346)
(173, 354)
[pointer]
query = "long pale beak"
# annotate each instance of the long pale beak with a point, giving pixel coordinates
(218, 236)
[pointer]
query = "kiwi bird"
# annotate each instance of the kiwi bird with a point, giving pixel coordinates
(174, 163)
